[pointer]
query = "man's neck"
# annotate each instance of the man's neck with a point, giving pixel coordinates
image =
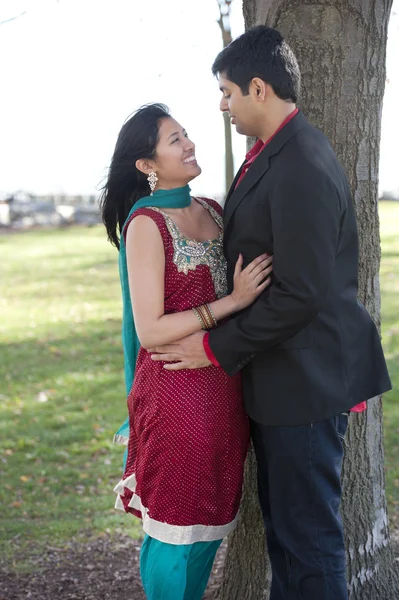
(274, 119)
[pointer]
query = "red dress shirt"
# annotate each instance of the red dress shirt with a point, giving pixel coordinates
(259, 146)
(250, 158)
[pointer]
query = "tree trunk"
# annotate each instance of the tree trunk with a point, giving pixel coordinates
(228, 144)
(340, 46)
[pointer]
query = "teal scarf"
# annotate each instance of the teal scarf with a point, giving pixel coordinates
(177, 198)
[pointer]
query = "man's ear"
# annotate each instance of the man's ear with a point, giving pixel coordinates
(144, 165)
(259, 88)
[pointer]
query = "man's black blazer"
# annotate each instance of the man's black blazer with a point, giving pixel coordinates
(307, 348)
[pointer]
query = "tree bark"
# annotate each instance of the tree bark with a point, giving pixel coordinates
(246, 573)
(341, 48)
(229, 159)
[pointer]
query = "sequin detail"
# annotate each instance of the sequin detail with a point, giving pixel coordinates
(189, 253)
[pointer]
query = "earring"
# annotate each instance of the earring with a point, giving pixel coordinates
(152, 180)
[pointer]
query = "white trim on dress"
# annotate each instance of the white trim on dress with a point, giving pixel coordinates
(123, 440)
(164, 532)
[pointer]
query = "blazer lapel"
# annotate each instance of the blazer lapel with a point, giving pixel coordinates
(254, 173)
(233, 185)
(260, 166)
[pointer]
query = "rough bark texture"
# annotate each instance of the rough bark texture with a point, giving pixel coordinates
(247, 574)
(340, 46)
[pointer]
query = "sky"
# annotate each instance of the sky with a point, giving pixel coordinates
(72, 71)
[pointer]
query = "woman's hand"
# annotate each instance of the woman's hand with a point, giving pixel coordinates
(250, 282)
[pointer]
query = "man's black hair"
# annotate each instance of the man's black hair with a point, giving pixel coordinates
(261, 52)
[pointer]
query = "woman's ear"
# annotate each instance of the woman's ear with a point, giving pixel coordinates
(143, 165)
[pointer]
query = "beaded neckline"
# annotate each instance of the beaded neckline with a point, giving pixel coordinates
(216, 217)
(188, 254)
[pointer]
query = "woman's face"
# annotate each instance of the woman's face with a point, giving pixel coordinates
(174, 161)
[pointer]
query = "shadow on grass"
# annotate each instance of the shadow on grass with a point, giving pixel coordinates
(61, 404)
(54, 355)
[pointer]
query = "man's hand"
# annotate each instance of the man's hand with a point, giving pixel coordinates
(187, 353)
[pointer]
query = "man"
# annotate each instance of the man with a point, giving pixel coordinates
(308, 350)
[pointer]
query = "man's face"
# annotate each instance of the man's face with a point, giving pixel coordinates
(242, 109)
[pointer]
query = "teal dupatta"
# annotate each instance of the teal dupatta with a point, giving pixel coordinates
(176, 198)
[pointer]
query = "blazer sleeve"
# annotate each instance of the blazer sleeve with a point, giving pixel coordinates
(306, 212)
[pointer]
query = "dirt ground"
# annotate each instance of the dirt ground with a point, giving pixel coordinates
(103, 569)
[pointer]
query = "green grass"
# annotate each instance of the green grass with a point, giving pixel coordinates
(389, 281)
(62, 392)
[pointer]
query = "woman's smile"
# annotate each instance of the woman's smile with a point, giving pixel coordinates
(190, 160)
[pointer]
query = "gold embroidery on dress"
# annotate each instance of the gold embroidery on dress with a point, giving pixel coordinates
(189, 254)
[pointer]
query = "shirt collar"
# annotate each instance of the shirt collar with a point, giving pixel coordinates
(258, 147)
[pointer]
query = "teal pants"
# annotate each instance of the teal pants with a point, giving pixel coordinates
(172, 572)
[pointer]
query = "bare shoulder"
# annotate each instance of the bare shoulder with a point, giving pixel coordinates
(143, 229)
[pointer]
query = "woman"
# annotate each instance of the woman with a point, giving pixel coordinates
(188, 432)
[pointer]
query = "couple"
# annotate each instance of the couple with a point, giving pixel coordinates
(227, 346)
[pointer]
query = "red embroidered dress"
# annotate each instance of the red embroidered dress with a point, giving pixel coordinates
(189, 433)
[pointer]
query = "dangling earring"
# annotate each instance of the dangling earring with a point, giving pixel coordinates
(152, 180)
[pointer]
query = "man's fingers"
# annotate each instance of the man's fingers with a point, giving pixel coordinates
(175, 366)
(167, 357)
(163, 349)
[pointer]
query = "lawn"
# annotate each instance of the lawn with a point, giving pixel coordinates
(62, 392)
(389, 281)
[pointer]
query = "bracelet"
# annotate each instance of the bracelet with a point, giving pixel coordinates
(205, 316)
(210, 319)
(215, 323)
(200, 319)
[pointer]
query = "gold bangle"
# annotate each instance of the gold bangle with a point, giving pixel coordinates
(210, 319)
(205, 316)
(215, 323)
(199, 317)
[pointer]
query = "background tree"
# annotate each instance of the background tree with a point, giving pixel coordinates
(341, 49)
(9, 19)
(224, 24)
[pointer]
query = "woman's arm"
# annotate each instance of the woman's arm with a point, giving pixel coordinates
(146, 269)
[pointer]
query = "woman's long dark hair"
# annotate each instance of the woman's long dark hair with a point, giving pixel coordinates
(125, 183)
